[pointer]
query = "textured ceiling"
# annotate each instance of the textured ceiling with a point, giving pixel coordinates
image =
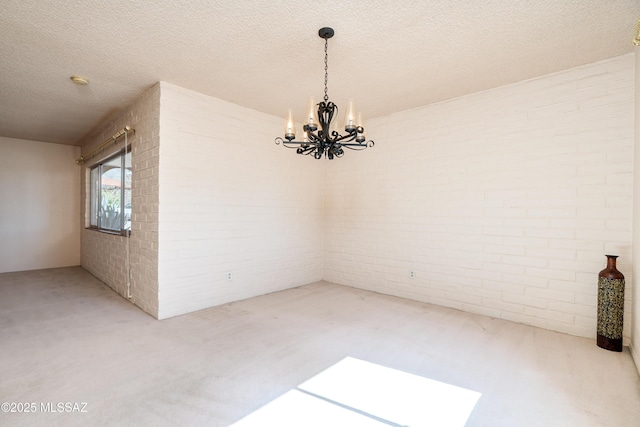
(266, 54)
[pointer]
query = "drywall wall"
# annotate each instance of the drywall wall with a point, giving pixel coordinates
(503, 202)
(231, 202)
(39, 205)
(107, 256)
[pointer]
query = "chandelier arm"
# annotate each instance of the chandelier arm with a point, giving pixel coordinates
(292, 142)
(359, 146)
(297, 144)
(355, 147)
(348, 137)
(288, 143)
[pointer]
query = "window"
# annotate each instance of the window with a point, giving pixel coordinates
(110, 208)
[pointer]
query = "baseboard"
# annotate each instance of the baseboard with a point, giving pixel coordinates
(635, 355)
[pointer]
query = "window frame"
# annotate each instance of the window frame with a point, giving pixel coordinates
(94, 210)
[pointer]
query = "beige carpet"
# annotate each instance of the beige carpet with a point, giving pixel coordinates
(66, 338)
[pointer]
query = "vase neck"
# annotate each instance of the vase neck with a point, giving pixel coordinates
(611, 261)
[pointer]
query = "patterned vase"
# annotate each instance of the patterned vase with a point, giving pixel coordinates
(610, 306)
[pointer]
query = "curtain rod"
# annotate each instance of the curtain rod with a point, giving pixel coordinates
(103, 144)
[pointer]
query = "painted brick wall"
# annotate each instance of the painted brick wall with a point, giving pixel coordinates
(503, 202)
(634, 344)
(231, 201)
(105, 255)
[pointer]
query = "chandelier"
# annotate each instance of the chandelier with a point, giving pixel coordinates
(320, 128)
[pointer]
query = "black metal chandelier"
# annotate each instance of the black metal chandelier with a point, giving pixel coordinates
(321, 134)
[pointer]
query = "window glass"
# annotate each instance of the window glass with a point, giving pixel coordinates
(111, 194)
(95, 199)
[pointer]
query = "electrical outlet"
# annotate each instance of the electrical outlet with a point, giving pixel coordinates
(229, 276)
(412, 274)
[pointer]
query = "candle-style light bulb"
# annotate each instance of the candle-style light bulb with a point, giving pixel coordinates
(312, 114)
(290, 126)
(350, 117)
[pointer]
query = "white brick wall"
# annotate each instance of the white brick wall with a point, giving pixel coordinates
(104, 255)
(635, 323)
(503, 202)
(231, 201)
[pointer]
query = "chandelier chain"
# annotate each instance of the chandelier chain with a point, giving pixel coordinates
(326, 70)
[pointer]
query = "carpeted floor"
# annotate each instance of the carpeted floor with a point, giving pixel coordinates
(65, 338)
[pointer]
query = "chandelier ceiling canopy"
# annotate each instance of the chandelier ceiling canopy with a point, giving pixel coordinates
(320, 130)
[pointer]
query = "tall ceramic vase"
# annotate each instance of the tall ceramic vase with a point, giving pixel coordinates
(610, 306)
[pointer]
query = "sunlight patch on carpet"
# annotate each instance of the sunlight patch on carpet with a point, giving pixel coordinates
(354, 392)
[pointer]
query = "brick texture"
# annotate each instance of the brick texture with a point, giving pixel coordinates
(231, 201)
(634, 343)
(106, 256)
(503, 202)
